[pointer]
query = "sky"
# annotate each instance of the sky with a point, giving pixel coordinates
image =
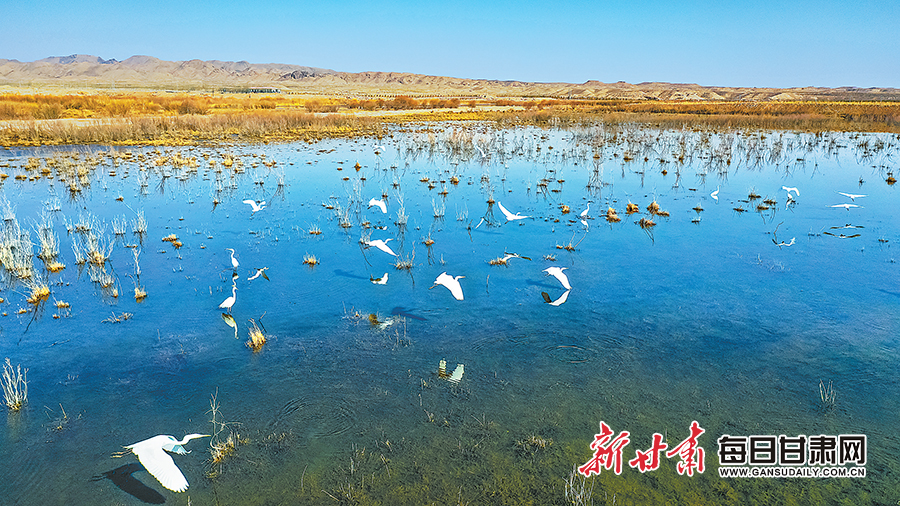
(760, 43)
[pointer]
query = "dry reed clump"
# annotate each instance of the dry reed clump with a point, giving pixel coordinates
(310, 260)
(646, 223)
(257, 338)
(632, 208)
(611, 216)
(39, 293)
(15, 386)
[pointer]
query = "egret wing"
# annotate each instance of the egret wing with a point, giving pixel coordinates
(162, 467)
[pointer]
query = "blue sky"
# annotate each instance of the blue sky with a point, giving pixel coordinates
(714, 43)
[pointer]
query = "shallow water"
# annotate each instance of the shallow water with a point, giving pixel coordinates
(709, 321)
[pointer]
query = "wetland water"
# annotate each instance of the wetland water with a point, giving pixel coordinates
(705, 316)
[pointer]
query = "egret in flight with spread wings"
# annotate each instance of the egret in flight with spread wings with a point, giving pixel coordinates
(557, 272)
(259, 272)
(851, 196)
(380, 203)
(452, 284)
(789, 190)
(845, 206)
(561, 300)
(234, 262)
(152, 454)
(256, 206)
(382, 245)
(510, 216)
(227, 303)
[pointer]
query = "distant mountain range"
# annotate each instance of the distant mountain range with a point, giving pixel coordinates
(149, 73)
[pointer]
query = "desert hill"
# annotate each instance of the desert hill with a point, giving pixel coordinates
(79, 72)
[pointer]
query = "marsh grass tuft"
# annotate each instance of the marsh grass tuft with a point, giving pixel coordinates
(827, 396)
(257, 338)
(15, 386)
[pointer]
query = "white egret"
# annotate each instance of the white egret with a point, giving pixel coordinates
(561, 300)
(584, 215)
(457, 374)
(851, 196)
(715, 194)
(152, 455)
(234, 262)
(506, 257)
(380, 203)
(845, 206)
(256, 206)
(380, 281)
(782, 243)
(791, 189)
(510, 216)
(557, 272)
(259, 272)
(378, 149)
(483, 154)
(227, 303)
(382, 245)
(452, 284)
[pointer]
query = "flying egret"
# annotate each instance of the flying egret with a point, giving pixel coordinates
(259, 272)
(380, 281)
(380, 203)
(256, 206)
(557, 272)
(457, 374)
(561, 300)
(510, 216)
(234, 262)
(152, 455)
(782, 243)
(845, 206)
(842, 236)
(715, 194)
(452, 284)
(506, 257)
(382, 245)
(227, 303)
(790, 189)
(851, 196)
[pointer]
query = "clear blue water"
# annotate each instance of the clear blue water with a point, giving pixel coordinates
(708, 321)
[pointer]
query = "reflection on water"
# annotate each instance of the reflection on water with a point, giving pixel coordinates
(728, 311)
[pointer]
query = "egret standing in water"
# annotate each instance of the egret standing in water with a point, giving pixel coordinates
(152, 455)
(557, 272)
(234, 262)
(227, 303)
(715, 194)
(379, 281)
(452, 284)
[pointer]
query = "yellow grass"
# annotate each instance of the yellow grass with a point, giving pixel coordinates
(191, 118)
